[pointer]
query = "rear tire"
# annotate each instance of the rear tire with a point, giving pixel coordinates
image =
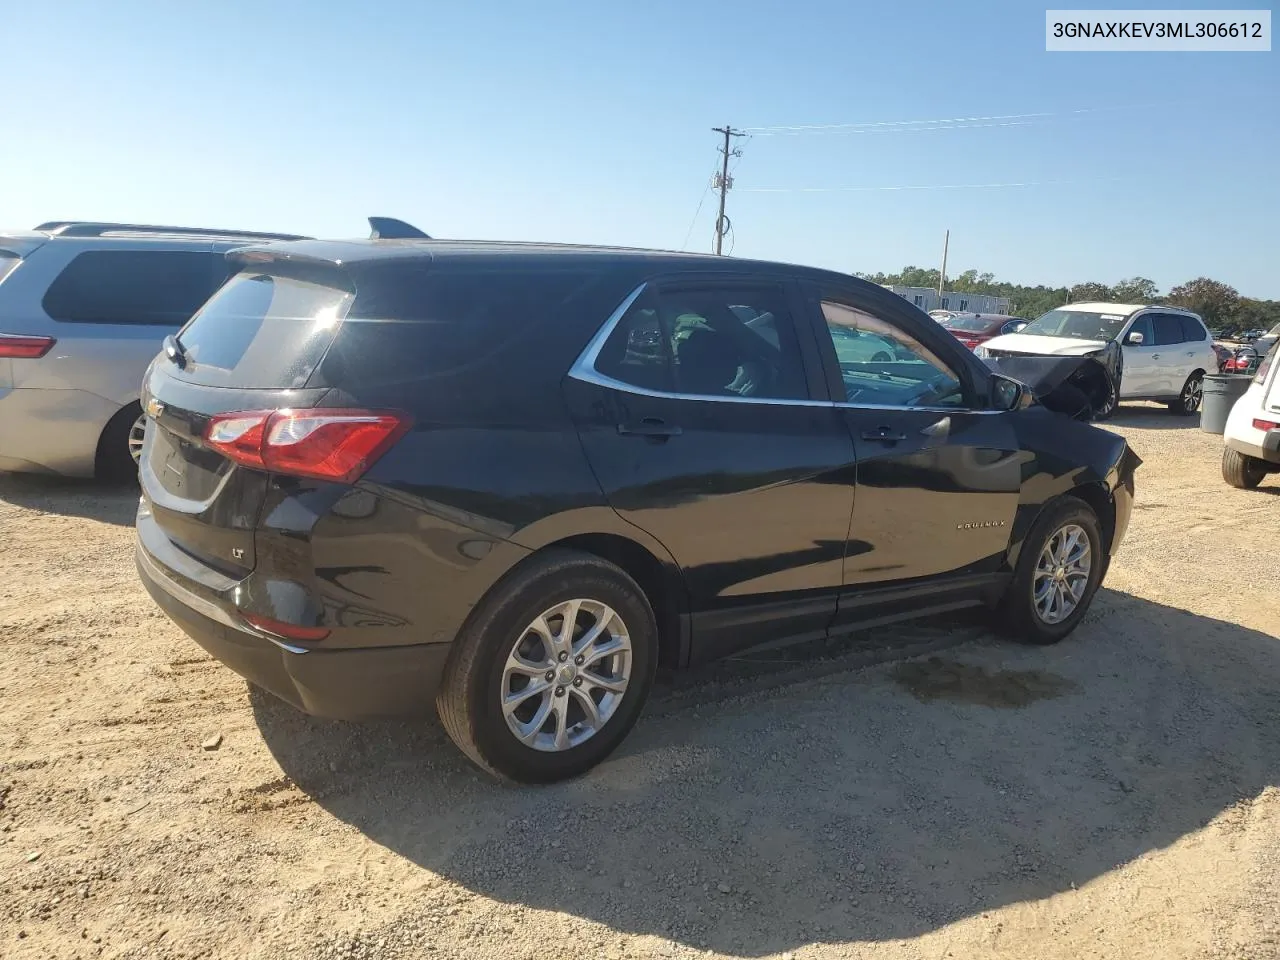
(115, 462)
(1241, 470)
(1188, 401)
(1028, 612)
(517, 626)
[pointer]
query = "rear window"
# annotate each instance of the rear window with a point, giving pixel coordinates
(152, 287)
(8, 263)
(263, 331)
(967, 324)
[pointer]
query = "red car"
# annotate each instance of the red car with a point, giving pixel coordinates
(973, 329)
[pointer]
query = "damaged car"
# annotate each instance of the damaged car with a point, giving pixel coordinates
(510, 481)
(1158, 353)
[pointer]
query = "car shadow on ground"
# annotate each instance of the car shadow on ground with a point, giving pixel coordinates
(859, 805)
(1152, 416)
(109, 503)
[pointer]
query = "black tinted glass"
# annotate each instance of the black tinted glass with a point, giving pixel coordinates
(163, 288)
(1168, 329)
(413, 322)
(636, 351)
(1192, 330)
(262, 331)
(708, 341)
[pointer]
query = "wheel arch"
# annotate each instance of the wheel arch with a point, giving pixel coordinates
(126, 414)
(1098, 498)
(599, 531)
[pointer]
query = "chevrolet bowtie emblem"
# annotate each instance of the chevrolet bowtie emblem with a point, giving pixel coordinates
(154, 408)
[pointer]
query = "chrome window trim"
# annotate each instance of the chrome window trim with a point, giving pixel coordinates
(584, 371)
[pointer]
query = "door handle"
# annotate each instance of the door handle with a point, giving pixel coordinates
(884, 435)
(651, 428)
(1155, 356)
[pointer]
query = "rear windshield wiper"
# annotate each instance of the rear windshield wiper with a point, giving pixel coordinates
(174, 350)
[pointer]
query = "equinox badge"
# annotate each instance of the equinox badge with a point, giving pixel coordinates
(980, 525)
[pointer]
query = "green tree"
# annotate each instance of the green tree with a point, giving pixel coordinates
(1085, 292)
(1136, 290)
(1253, 314)
(1214, 301)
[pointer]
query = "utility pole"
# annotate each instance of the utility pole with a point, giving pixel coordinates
(724, 181)
(942, 277)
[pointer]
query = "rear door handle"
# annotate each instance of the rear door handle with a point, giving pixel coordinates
(650, 428)
(1155, 356)
(884, 435)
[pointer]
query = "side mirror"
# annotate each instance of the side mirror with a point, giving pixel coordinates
(1014, 327)
(1134, 338)
(1006, 394)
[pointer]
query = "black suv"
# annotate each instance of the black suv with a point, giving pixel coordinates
(517, 478)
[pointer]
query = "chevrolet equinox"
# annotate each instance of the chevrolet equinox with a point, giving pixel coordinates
(513, 480)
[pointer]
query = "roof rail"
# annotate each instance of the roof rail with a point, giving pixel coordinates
(389, 228)
(85, 228)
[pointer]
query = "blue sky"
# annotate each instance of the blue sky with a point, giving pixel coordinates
(590, 122)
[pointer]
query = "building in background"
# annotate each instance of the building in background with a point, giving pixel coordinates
(927, 298)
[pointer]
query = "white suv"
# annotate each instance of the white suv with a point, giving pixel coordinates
(1164, 352)
(1252, 437)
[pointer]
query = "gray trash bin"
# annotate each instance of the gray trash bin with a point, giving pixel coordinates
(1221, 391)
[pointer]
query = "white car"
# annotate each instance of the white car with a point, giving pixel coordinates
(1252, 437)
(1165, 352)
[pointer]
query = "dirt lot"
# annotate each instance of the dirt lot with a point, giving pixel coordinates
(1115, 796)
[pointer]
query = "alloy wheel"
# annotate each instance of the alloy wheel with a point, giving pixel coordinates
(1192, 394)
(137, 433)
(566, 675)
(1062, 574)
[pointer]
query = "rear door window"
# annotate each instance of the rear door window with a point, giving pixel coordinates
(147, 287)
(1168, 329)
(709, 340)
(263, 331)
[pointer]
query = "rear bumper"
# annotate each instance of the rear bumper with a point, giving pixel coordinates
(338, 684)
(1266, 448)
(51, 431)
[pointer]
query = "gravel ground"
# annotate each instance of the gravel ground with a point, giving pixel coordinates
(924, 792)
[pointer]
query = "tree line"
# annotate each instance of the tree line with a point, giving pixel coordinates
(1221, 305)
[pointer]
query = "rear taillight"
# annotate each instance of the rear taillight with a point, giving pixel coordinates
(16, 347)
(1265, 425)
(337, 445)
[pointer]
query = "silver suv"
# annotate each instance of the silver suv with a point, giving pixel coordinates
(83, 309)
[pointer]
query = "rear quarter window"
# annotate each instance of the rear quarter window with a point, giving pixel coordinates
(422, 321)
(1193, 330)
(148, 287)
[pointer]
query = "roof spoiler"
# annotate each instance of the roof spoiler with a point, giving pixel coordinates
(389, 228)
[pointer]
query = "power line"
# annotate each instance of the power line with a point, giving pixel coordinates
(701, 200)
(724, 181)
(957, 123)
(930, 186)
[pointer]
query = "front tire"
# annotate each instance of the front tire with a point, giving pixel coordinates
(1241, 470)
(1109, 406)
(552, 670)
(1059, 570)
(1188, 401)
